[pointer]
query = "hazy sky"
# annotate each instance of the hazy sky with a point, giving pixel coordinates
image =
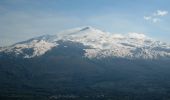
(24, 19)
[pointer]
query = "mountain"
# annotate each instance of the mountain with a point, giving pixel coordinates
(85, 64)
(101, 44)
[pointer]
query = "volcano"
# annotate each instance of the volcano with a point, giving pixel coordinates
(86, 64)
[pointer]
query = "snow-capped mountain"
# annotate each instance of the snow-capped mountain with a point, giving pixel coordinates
(86, 62)
(101, 44)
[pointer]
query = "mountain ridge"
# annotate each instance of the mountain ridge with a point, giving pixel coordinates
(102, 44)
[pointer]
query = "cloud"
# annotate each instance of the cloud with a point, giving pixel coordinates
(152, 19)
(147, 17)
(160, 13)
(155, 20)
(156, 16)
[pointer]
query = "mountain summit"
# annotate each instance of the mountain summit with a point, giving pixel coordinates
(100, 45)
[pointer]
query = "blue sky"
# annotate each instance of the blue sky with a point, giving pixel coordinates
(24, 19)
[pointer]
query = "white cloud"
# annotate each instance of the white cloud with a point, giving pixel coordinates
(156, 16)
(155, 20)
(152, 19)
(147, 17)
(160, 13)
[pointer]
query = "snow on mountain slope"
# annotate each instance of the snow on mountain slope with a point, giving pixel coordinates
(102, 44)
(30, 49)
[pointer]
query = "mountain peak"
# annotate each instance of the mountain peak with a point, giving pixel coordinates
(87, 28)
(90, 29)
(81, 32)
